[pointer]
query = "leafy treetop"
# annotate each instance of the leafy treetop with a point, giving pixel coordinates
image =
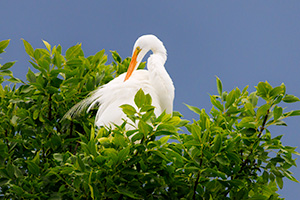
(227, 153)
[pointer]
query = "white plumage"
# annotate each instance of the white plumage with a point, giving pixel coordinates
(121, 90)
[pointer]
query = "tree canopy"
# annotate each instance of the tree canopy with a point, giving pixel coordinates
(226, 153)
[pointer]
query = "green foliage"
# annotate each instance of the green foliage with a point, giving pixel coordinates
(228, 153)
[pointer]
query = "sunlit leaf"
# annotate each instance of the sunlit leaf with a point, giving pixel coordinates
(219, 85)
(216, 103)
(230, 99)
(277, 112)
(128, 109)
(3, 45)
(194, 109)
(139, 98)
(74, 52)
(48, 46)
(263, 110)
(28, 48)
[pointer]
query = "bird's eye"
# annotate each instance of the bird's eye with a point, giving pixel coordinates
(138, 48)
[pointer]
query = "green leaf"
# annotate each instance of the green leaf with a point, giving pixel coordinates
(158, 153)
(139, 98)
(28, 48)
(15, 80)
(98, 56)
(6, 73)
(123, 154)
(219, 86)
(30, 76)
(279, 123)
(217, 143)
(222, 160)
(80, 163)
(33, 168)
(196, 132)
(92, 191)
(36, 114)
(247, 122)
(128, 193)
(289, 176)
(277, 112)
(164, 139)
(233, 157)
(277, 91)
(74, 52)
(262, 111)
(10, 170)
(3, 45)
(248, 131)
(290, 98)
(147, 108)
(253, 99)
(249, 107)
(48, 46)
(116, 57)
(74, 63)
(216, 103)
(279, 182)
(292, 113)
(144, 127)
(230, 99)
(7, 65)
(19, 191)
(128, 109)
(194, 109)
(148, 100)
(58, 157)
(263, 89)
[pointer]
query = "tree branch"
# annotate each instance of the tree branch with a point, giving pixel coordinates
(262, 128)
(50, 110)
(195, 186)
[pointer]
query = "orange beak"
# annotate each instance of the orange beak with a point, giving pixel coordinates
(132, 63)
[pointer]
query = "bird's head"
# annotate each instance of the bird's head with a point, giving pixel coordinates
(141, 47)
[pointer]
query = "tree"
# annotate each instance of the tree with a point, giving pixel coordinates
(227, 153)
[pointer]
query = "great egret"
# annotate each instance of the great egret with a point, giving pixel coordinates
(121, 90)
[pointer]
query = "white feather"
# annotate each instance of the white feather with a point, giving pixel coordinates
(154, 81)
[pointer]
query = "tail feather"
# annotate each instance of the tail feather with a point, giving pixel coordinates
(85, 104)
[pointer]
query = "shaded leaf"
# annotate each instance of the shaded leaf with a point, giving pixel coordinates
(217, 143)
(7, 65)
(290, 98)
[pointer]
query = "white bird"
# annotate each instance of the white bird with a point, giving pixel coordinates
(121, 90)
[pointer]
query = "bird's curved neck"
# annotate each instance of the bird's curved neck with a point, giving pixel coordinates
(160, 54)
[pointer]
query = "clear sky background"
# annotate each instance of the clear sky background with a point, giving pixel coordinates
(242, 42)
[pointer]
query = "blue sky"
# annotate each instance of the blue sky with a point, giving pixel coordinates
(241, 42)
